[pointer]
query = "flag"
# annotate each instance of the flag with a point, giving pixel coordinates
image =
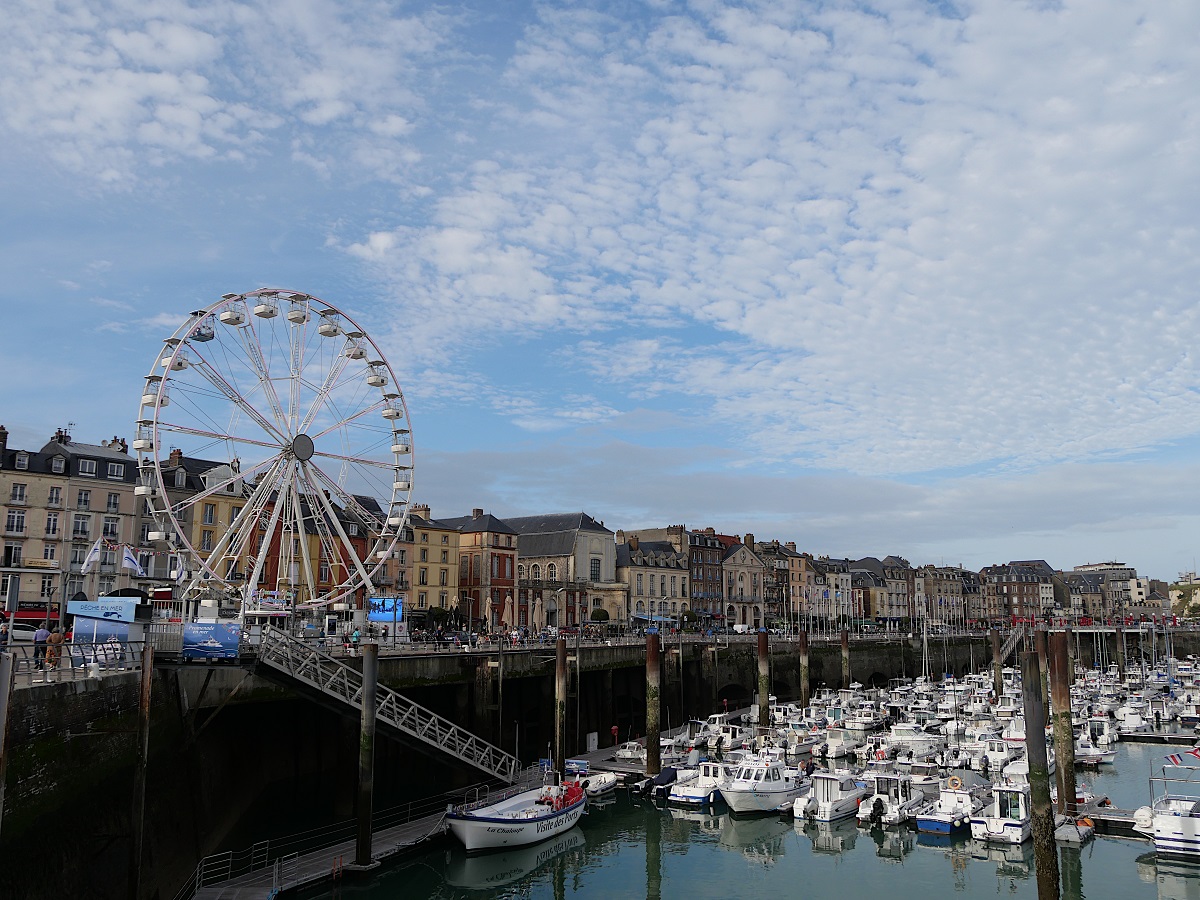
(180, 572)
(129, 561)
(1194, 753)
(1175, 759)
(93, 557)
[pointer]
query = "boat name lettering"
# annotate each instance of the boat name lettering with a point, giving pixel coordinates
(492, 829)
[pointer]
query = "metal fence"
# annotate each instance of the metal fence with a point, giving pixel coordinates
(74, 661)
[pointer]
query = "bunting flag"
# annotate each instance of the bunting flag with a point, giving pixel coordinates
(1174, 759)
(92, 558)
(129, 561)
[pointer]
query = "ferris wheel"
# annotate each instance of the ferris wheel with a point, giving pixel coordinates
(275, 452)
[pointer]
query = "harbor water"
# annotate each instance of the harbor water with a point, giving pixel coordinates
(628, 847)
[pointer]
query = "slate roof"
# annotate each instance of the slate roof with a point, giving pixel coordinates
(487, 523)
(553, 534)
(651, 553)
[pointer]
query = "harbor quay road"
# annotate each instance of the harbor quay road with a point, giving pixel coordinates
(206, 772)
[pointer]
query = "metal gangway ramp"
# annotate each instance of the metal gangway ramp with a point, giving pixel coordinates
(280, 654)
(1017, 635)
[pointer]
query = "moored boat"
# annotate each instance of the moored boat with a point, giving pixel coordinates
(517, 817)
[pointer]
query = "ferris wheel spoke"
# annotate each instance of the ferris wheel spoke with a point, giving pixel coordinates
(254, 501)
(301, 512)
(217, 435)
(378, 464)
(348, 419)
(215, 378)
(281, 483)
(350, 501)
(254, 351)
(337, 524)
(324, 391)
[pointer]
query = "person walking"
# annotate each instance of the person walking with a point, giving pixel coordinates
(354, 638)
(54, 648)
(39, 646)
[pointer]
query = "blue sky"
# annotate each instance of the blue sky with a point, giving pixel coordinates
(903, 278)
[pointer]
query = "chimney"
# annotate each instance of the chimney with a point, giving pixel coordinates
(421, 510)
(176, 457)
(119, 443)
(791, 545)
(477, 513)
(3, 444)
(633, 542)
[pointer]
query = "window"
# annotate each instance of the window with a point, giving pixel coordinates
(234, 512)
(535, 572)
(351, 529)
(108, 558)
(422, 576)
(595, 570)
(508, 561)
(51, 524)
(83, 500)
(81, 527)
(673, 594)
(476, 567)
(520, 571)
(112, 527)
(180, 478)
(12, 555)
(144, 562)
(49, 551)
(55, 498)
(445, 556)
(551, 572)
(595, 603)
(87, 467)
(22, 461)
(424, 538)
(639, 583)
(424, 555)
(18, 493)
(206, 540)
(210, 514)
(47, 586)
(421, 600)
(662, 584)
(15, 523)
(107, 584)
(443, 577)
(116, 470)
(443, 598)
(445, 538)
(324, 575)
(57, 465)
(113, 504)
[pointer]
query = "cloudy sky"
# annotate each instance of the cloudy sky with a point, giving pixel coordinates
(903, 277)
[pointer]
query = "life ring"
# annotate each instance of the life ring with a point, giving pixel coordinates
(881, 754)
(954, 783)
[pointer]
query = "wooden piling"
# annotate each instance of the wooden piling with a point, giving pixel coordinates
(1121, 653)
(845, 659)
(1060, 718)
(764, 680)
(7, 668)
(366, 752)
(139, 775)
(1041, 645)
(560, 705)
(802, 645)
(1042, 813)
(653, 699)
(997, 664)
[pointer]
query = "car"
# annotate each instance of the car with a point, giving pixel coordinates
(22, 631)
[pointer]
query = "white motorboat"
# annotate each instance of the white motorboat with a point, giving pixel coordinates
(891, 800)
(1006, 820)
(705, 788)
(631, 751)
(926, 777)
(911, 739)
(762, 785)
(517, 817)
(839, 742)
(595, 784)
(1088, 754)
(951, 812)
(831, 797)
(1172, 820)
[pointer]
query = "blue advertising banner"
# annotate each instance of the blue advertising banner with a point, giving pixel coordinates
(113, 609)
(211, 640)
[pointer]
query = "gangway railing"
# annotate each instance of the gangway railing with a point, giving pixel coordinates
(1018, 633)
(293, 658)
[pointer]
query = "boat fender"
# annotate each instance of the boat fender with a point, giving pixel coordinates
(1085, 822)
(954, 783)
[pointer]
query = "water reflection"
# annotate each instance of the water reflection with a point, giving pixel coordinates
(1175, 879)
(893, 844)
(492, 870)
(760, 840)
(829, 837)
(1012, 860)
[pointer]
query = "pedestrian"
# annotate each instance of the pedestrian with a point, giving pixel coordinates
(321, 640)
(385, 634)
(54, 648)
(345, 640)
(354, 638)
(3, 636)
(39, 646)
(615, 732)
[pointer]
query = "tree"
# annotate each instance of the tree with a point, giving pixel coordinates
(599, 615)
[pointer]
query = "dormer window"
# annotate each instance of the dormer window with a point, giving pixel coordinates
(352, 529)
(22, 460)
(87, 467)
(180, 478)
(57, 465)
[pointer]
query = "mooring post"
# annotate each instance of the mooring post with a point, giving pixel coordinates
(560, 706)
(366, 752)
(1064, 734)
(1042, 813)
(764, 680)
(802, 645)
(997, 664)
(653, 698)
(1121, 653)
(845, 659)
(1072, 653)
(1041, 645)
(7, 665)
(139, 775)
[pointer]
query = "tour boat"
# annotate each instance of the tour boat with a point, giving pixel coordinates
(761, 785)
(517, 817)
(830, 798)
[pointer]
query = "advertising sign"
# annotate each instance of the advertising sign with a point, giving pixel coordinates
(113, 609)
(211, 640)
(389, 611)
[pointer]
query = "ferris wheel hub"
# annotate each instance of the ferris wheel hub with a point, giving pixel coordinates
(303, 447)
